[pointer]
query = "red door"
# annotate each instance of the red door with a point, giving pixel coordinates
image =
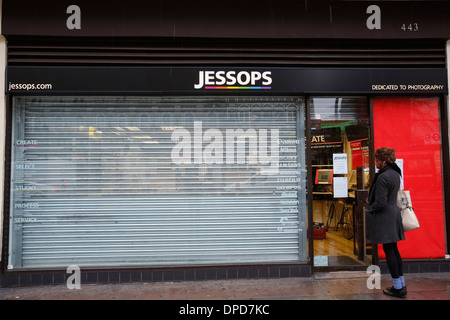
(411, 127)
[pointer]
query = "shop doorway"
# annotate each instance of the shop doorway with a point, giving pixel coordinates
(340, 153)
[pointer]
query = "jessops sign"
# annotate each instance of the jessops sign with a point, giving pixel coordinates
(190, 80)
(234, 80)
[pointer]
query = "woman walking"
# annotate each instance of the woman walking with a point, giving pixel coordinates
(384, 221)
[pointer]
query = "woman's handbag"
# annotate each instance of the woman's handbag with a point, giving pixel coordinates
(404, 204)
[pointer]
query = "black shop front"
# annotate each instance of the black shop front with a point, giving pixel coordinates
(184, 159)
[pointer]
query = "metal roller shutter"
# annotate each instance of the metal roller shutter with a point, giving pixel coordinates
(100, 181)
(339, 53)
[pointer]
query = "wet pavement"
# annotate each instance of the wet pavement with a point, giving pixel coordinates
(322, 286)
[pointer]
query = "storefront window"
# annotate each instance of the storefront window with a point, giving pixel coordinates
(116, 181)
(339, 149)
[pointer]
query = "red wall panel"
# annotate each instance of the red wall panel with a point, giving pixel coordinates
(411, 127)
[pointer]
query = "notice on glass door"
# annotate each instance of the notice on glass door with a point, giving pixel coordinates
(399, 163)
(340, 187)
(320, 261)
(340, 163)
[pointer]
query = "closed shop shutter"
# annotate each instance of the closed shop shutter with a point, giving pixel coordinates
(111, 181)
(340, 53)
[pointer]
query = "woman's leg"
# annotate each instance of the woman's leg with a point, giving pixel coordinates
(399, 265)
(391, 251)
(394, 262)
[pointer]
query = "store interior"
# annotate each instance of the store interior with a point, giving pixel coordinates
(339, 149)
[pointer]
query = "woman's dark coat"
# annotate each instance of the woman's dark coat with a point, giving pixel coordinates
(384, 221)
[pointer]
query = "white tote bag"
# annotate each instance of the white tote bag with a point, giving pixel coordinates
(404, 204)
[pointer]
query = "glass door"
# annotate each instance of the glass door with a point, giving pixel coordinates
(340, 171)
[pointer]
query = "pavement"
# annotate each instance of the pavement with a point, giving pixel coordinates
(321, 286)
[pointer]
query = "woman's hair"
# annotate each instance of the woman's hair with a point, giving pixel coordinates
(385, 154)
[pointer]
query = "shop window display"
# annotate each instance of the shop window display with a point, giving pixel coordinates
(339, 147)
